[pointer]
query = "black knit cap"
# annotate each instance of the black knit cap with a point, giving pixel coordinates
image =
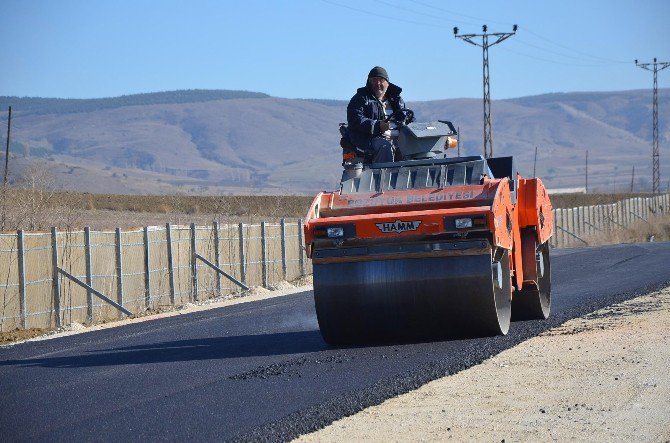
(378, 71)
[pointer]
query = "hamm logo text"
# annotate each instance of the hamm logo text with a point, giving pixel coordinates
(399, 226)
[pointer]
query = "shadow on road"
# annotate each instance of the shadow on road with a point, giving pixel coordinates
(187, 350)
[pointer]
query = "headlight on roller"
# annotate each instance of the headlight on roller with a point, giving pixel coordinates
(462, 223)
(335, 232)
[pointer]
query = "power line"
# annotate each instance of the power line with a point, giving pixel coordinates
(500, 37)
(415, 12)
(377, 15)
(552, 61)
(480, 19)
(477, 19)
(562, 54)
(656, 172)
(604, 59)
(597, 60)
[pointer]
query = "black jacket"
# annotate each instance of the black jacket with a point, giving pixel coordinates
(364, 113)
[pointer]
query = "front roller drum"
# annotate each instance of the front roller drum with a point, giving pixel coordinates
(413, 299)
(533, 301)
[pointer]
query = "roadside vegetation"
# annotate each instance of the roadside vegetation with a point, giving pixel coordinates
(657, 228)
(33, 204)
(33, 208)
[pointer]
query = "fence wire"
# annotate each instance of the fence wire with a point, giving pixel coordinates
(139, 269)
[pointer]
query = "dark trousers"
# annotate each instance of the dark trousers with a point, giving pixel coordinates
(382, 150)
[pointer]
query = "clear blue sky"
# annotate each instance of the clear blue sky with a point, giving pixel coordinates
(324, 48)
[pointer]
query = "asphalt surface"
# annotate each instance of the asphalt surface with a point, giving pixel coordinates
(260, 371)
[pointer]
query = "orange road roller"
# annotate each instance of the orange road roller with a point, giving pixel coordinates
(430, 247)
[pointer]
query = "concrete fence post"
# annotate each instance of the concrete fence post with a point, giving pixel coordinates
(617, 215)
(147, 269)
(119, 269)
(55, 276)
(194, 263)
(301, 250)
(243, 262)
(601, 216)
(170, 259)
(284, 266)
(264, 255)
(217, 256)
(624, 212)
(639, 206)
(20, 240)
(562, 218)
(578, 226)
(646, 208)
(89, 274)
(554, 237)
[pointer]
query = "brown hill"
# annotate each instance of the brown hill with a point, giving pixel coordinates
(213, 142)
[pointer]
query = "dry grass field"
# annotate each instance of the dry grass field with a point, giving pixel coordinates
(37, 209)
(40, 210)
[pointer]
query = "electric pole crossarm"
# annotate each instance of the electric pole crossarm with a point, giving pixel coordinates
(501, 36)
(468, 38)
(653, 66)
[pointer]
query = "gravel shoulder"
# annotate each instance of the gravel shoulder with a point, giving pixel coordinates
(602, 377)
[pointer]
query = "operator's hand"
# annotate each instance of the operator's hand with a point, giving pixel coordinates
(384, 126)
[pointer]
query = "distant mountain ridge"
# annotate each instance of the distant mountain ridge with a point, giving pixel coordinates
(39, 105)
(222, 141)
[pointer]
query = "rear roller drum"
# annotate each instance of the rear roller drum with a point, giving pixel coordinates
(413, 299)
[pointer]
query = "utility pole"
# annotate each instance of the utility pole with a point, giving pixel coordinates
(535, 162)
(586, 173)
(632, 180)
(9, 126)
(656, 172)
(499, 37)
(458, 140)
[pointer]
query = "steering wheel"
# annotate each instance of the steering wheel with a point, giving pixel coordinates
(402, 117)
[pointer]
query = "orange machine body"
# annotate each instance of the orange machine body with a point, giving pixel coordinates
(429, 215)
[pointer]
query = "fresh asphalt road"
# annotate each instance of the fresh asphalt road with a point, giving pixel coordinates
(260, 371)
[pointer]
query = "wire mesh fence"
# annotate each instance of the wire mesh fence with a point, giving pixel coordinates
(55, 278)
(574, 225)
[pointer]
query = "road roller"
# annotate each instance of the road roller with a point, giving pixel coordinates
(430, 247)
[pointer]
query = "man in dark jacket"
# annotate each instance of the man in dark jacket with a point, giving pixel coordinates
(368, 113)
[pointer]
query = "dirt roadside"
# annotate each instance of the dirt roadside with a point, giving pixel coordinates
(602, 377)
